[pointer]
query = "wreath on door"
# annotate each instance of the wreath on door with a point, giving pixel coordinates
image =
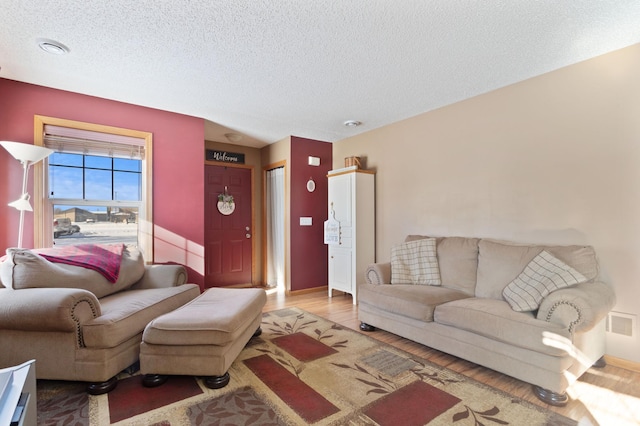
(226, 205)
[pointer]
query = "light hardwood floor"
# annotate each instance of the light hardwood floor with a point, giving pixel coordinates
(606, 396)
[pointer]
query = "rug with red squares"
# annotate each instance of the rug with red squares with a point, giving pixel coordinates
(303, 369)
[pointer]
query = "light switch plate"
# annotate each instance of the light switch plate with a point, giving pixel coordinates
(306, 221)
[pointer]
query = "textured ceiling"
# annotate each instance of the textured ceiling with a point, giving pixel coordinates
(269, 69)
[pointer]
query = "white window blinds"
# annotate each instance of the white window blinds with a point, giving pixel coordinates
(87, 142)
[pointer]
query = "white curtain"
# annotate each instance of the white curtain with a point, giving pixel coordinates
(275, 228)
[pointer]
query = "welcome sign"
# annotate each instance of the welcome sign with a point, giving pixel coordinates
(225, 156)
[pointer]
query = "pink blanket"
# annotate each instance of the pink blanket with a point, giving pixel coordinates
(103, 258)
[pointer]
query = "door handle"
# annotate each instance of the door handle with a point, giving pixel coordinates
(248, 235)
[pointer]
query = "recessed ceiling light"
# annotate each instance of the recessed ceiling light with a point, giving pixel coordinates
(352, 123)
(52, 46)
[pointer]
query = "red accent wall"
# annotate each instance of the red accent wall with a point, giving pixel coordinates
(178, 155)
(309, 264)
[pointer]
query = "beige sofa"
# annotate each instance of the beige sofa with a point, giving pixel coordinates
(467, 315)
(77, 325)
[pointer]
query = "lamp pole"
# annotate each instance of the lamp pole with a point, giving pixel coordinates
(25, 176)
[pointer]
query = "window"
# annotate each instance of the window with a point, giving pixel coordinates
(92, 177)
(95, 187)
(100, 196)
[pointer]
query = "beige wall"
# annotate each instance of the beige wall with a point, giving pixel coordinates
(554, 159)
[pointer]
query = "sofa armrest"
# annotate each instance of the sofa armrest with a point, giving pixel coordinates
(161, 276)
(47, 309)
(578, 308)
(378, 273)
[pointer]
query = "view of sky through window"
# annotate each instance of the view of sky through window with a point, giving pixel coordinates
(95, 199)
(89, 177)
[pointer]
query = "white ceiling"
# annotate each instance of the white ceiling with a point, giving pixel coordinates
(269, 69)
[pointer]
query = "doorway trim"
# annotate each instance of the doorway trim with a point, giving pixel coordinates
(283, 164)
(253, 211)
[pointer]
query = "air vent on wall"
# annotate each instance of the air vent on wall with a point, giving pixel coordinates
(621, 324)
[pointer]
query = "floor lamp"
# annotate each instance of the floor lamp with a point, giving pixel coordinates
(28, 155)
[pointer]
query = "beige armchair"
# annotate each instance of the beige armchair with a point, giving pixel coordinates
(74, 334)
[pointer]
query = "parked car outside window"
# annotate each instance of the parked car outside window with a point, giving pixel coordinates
(63, 226)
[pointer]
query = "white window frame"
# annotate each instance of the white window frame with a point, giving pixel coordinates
(43, 211)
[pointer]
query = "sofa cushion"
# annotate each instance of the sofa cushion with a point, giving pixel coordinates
(26, 269)
(415, 262)
(500, 263)
(540, 277)
(413, 301)
(127, 313)
(496, 320)
(457, 261)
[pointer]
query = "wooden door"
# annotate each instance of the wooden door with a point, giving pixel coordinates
(228, 235)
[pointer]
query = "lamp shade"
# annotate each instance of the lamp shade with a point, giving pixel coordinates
(22, 203)
(26, 152)
(28, 155)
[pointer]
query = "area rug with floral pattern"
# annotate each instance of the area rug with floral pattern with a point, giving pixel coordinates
(303, 369)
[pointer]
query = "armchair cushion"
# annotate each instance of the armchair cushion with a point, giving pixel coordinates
(126, 314)
(23, 268)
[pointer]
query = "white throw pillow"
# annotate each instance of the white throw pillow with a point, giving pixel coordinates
(415, 262)
(540, 277)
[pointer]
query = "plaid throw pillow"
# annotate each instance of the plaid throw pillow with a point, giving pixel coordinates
(415, 262)
(540, 277)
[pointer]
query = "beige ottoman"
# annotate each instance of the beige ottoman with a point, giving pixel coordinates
(203, 337)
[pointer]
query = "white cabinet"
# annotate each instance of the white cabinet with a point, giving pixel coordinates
(352, 204)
